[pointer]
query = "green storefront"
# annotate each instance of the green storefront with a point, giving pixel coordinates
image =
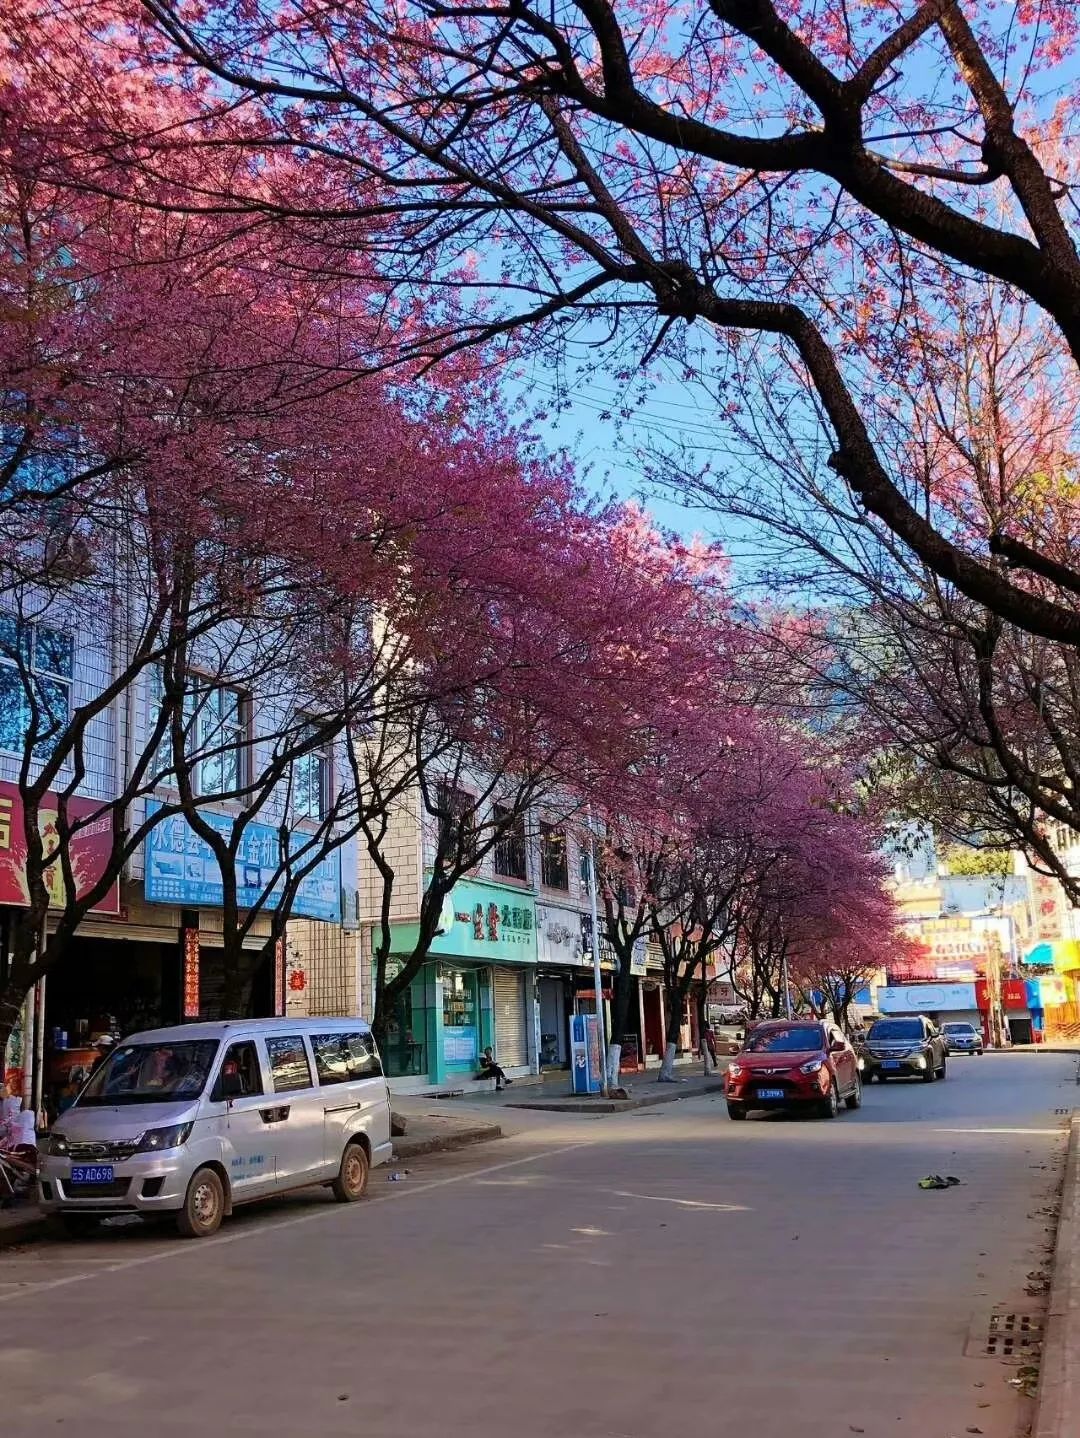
(475, 990)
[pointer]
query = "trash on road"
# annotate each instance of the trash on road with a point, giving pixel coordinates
(398, 1176)
(935, 1180)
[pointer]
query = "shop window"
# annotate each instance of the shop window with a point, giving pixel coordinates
(460, 1033)
(289, 1065)
(553, 869)
(404, 1050)
(510, 846)
(456, 811)
(36, 667)
(339, 1058)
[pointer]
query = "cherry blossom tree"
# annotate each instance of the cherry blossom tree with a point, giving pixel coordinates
(199, 484)
(625, 183)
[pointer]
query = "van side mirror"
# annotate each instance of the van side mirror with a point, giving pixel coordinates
(230, 1085)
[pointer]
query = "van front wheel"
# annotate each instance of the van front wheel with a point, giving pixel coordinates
(204, 1205)
(352, 1180)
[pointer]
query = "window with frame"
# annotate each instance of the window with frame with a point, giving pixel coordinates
(509, 856)
(44, 459)
(311, 780)
(289, 1067)
(37, 665)
(457, 826)
(553, 868)
(342, 1057)
(215, 734)
(241, 1059)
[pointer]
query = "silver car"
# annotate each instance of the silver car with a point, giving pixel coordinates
(962, 1038)
(193, 1120)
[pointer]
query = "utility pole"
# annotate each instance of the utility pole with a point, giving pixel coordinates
(598, 981)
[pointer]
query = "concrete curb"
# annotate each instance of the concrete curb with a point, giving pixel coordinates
(1058, 1414)
(23, 1229)
(1073, 1049)
(445, 1142)
(598, 1106)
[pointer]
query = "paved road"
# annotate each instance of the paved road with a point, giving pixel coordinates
(660, 1272)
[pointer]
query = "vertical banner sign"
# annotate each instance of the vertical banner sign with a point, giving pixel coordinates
(585, 1053)
(279, 976)
(191, 973)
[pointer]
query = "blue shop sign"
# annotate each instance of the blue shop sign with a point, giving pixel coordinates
(181, 869)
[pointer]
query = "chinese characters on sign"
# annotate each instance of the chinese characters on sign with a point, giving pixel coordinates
(494, 922)
(90, 849)
(182, 869)
(191, 973)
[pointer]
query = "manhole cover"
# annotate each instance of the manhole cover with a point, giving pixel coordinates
(1016, 1336)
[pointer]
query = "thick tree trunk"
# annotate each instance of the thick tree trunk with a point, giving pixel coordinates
(708, 1062)
(674, 1024)
(620, 1009)
(12, 997)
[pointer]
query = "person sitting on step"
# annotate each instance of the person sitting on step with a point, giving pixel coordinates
(490, 1069)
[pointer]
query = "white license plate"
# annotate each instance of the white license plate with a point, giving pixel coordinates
(771, 1093)
(91, 1173)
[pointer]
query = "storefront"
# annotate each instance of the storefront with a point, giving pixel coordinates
(475, 990)
(559, 957)
(1018, 1017)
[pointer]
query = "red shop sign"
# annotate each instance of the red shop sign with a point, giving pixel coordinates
(91, 845)
(191, 973)
(1014, 994)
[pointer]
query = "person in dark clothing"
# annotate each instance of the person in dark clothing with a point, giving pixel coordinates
(490, 1069)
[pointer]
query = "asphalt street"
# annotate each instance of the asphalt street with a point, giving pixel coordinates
(664, 1271)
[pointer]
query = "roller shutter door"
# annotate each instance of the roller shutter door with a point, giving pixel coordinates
(511, 1045)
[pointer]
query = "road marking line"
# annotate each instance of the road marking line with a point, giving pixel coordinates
(682, 1202)
(325, 1211)
(1040, 1132)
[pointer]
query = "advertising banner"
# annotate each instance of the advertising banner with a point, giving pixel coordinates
(90, 848)
(181, 869)
(486, 922)
(926, 998)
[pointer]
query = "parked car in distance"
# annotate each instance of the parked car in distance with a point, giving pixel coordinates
(191, 1121)
(793, 1064)
(962, 1038)
(908, 1047)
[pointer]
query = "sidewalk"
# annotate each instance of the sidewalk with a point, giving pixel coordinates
(1058, 1414)
(554, 1094)
(18, 1225)
(428, 1132)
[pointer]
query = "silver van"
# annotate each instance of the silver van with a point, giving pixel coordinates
(196, 1119)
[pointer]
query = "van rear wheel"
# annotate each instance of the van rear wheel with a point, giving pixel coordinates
(204, 1205)
(352, 1180)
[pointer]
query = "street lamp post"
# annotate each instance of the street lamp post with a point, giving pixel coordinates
(598, 981)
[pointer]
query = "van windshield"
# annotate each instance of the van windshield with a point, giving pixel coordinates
(151, 1073)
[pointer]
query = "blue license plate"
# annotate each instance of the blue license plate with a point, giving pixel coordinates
(771, 1093)
(92, 1173)
(891, 1064)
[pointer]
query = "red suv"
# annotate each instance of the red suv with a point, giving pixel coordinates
(793, 1064)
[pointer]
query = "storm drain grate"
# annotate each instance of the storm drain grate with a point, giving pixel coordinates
(1013, 1335)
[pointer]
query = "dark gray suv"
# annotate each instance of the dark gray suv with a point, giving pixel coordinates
(905, 1048)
